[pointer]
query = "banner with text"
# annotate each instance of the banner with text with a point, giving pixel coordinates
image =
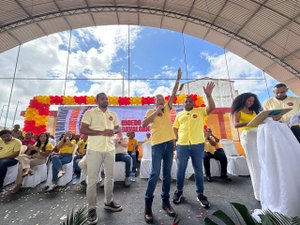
(130, 119)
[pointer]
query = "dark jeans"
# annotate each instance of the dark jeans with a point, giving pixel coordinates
(124, 157)
(4, 164)
(296, 132)
(160, 153)
(219, 155)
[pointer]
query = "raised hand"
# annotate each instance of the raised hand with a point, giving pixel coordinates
(209, 88)
(179, 74)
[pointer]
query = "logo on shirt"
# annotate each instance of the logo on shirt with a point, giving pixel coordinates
(111, 118)
(290, 104)
(194, 116)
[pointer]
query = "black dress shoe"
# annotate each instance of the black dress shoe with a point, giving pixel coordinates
(168, 208)
(148, 216)
(226, 178)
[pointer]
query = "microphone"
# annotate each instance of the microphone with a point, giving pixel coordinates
(163, 110)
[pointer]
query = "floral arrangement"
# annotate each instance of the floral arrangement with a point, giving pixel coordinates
(37, 113)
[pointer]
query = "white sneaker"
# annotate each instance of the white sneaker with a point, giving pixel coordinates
(51, 187)
(60, 174)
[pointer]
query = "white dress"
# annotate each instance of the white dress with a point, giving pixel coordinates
(279, 160)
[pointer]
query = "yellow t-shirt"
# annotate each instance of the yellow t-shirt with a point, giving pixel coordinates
(48, 147)
(10, 147)
(210, 148)
(132, 143)
(66, 149)
(98, 120)
(81, 144)
(245, 117)
(190, 125)
(161, 127)
(288, 102)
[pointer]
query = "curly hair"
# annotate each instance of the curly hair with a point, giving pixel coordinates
(240, 101)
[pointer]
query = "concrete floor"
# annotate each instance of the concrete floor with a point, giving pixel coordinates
(34, 207)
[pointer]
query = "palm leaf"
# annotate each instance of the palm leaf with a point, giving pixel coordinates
(276, 218)
(244, 213)
(296, 220)
(222, 216)
(76, 218)
(208, 221)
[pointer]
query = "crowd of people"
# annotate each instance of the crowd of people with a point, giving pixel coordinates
(102, 143)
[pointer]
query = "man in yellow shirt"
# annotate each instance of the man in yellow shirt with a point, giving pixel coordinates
(212, 149)
(280, 101)
(162, 150)
(188, 128)
(10, 148)
(100, 124)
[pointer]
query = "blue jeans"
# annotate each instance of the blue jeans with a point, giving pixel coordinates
(160, 152)
(4, 164)
(124, 157)
(76, 167)
(196, 154)
(133, 156)
(57, 162)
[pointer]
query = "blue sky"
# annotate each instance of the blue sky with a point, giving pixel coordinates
(99, 55)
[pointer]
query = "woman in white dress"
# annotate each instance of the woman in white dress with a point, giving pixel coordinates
(244, 108)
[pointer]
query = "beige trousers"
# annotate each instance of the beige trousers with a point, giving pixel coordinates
(25, 162)
(94, 161)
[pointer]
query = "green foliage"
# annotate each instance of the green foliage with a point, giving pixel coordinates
(241, 212)
(79, 217)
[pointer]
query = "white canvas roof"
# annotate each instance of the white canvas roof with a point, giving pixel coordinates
(264, 32)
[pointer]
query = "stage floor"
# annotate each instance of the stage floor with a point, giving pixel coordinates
(34, 207)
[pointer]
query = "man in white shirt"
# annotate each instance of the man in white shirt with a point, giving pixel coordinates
(280, 101)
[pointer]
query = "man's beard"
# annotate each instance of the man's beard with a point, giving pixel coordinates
(104, 105)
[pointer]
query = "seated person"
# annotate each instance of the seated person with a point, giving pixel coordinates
(28, 141)
(122, 155)
(133, 146)
(37, 155)
(62, 154)
(81, 150)
(213, 150)
(148, 137)
(10, 148)
(16, 133)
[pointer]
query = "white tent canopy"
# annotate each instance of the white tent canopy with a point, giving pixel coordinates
(265, 33)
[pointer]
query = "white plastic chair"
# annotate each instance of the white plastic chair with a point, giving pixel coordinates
(229, 147)
(237, 165)
(11, 174)
(39, 176)
(146, 161)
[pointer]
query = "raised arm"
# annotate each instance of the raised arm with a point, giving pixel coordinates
(208, 92)
(175, 88)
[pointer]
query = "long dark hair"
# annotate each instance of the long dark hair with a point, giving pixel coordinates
(240, 101)
(39, 143)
